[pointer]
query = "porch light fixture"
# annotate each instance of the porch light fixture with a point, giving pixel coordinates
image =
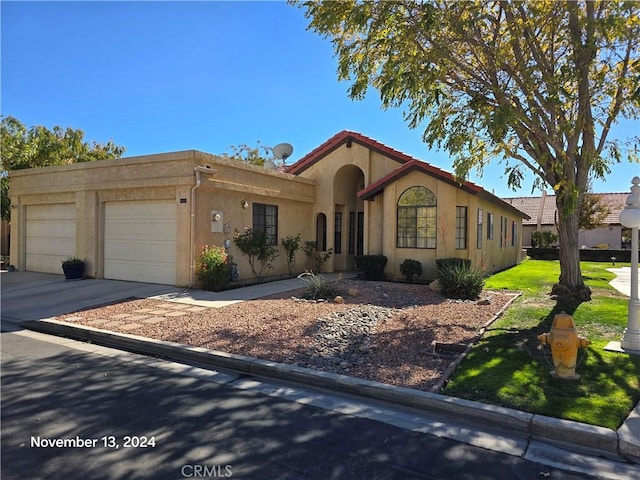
(244, 203)
(630, 218)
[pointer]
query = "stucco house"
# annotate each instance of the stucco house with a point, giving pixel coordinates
(146, 218)
(543, 215)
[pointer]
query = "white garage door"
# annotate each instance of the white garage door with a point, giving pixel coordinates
(140, 241)
(51, 236)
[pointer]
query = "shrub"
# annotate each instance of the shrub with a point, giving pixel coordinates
(213, 268)
(411, 269)
(317, 258)
(259, 254)
(460, 281)
(453, 262)
(372, 266)
(317, 287)
(543, 238)
(291, 246)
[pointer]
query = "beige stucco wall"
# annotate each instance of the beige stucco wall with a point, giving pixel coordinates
(338, 177)
(333, 175)
(231, 188)
(489, 258)
(172, 177)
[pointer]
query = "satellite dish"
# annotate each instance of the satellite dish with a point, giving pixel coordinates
(282, 151)
(270, 165)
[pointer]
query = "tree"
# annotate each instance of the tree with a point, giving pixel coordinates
(538, 84)
(38, 146)
(257, 155)
(594, 212)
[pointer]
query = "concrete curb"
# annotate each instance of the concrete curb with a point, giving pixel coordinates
(551, 430)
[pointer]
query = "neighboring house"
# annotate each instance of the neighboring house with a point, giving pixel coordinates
(543, 216)
(146, 218)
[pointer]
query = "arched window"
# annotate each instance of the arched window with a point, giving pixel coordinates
(321, 232)
(416, 218)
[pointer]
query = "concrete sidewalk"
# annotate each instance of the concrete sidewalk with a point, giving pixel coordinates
(622, 282)
(203, 298)
(30, 300)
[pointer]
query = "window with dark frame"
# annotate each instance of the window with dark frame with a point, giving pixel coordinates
(265, 219)
(416, 217)
(480, 229)
(461, 228)
(489, 226)
(321, 232)
(352, 233)
(514, 228)
(337, 236)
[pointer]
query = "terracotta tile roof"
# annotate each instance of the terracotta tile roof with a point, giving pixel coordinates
(531, 206)
(408, 164)
(413, 165)
(346, 136)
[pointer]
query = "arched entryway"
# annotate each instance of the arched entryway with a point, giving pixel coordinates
(348, 221)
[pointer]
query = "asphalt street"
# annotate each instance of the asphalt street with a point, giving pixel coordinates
(117, 418)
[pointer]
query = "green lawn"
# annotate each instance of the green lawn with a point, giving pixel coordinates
(507, 368)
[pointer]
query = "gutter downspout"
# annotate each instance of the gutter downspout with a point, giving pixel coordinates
(192, 234)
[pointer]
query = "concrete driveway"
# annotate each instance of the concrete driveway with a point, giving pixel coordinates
(34, 296)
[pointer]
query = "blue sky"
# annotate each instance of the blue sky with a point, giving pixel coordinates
(167, 76)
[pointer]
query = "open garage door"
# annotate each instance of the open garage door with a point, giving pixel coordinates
(140, 241)
(50, 236)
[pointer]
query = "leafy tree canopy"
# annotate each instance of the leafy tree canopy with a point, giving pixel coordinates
(252, 155)
(38, 146)
(538, 84)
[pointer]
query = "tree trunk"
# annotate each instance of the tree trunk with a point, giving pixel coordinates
(570, 283)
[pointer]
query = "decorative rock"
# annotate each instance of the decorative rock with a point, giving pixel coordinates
(353, 292)
(338, 299)
(435, 286)
(344, 338)
(483, 301)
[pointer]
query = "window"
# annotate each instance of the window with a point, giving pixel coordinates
(513, 233)
(352, 232)
(503, 231)
(321, 232)
(265, 219)
(337, 237)
(480, 229)
(489, 226)
(416, 219)
(461, 228)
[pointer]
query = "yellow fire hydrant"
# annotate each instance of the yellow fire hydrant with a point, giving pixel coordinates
(564, 342)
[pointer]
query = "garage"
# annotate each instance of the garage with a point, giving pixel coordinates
(140, 241)
(50, 236)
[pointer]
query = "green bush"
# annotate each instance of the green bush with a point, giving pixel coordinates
(317, 287)
(453, 262)
(213, 268)
(310, 248)
(411, 269)
(372, 266)
(460, 281)
(259, 253)
(543, 238)
(291, 246)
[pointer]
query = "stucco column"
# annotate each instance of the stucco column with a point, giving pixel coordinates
(87, 230)
(17, 247)
(183, 235)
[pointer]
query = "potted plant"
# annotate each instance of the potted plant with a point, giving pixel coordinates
(73, 268)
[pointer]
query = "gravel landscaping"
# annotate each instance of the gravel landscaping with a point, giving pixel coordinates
(383, 331)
